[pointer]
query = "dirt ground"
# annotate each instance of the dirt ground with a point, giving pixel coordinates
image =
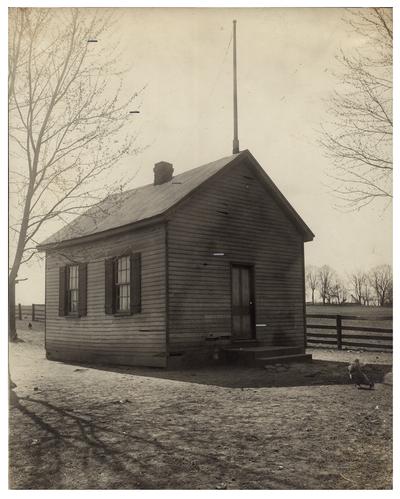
(300, 426)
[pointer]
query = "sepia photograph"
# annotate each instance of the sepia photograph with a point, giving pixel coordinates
(200, 234)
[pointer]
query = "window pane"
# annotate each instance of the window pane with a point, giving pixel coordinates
(73, 277)
(123, 297)
(123, 270)
(73, 300)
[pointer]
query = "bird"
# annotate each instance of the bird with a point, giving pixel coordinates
(358, 376)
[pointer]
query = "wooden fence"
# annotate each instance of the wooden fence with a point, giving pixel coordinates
(35, 312)
(335, 331)
(345, 332)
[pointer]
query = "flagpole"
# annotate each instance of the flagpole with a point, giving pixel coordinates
(235, 148)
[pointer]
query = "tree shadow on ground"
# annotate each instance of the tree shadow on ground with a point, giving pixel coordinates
(317, 372)
(61, 434)
(81, 436)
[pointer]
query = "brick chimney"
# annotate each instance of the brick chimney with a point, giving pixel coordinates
(162, 172)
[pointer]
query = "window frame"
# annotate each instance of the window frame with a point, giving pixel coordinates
(80, 286)
(69, 289)
(125, 284)
(131, 279)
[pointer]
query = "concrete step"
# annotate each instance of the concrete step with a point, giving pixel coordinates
(283, 359)
(245, 343)
(249, 355)
(262, 348)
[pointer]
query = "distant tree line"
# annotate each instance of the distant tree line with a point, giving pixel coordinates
(374, 287)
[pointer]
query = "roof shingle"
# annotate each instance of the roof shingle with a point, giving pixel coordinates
(151, 201)
(137, 204)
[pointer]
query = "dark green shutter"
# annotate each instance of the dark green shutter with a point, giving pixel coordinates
(62, 292)
(136, 283)
(82, 293)
(109, 286)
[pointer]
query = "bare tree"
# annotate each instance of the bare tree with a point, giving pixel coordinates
(389, 293)
(325, 281)
(359, 138)
(381, 280)
(358, 280)
(367, 295)
(337, 291)
(67, 122)
(312, 280)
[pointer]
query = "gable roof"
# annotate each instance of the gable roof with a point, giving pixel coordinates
(151, 202)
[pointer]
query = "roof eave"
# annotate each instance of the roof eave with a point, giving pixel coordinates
(309, 236)
(104, 234)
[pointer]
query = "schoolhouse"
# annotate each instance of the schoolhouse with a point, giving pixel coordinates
(195, 267)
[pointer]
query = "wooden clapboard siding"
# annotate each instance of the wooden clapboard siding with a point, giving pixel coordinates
(253, 230)
(138, 339)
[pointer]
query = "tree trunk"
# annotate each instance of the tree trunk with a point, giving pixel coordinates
(12, 330)
(312, 296)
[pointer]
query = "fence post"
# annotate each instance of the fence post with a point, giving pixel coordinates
(19, 312)
(33, 312)
(339, 331)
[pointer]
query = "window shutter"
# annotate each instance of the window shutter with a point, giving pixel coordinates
(136, 283)
(62, 292)
(109, 286)
(82, 293)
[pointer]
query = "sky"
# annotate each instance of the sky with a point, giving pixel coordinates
(286, 58)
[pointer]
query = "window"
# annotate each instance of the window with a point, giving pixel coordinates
(122, 284)
(73, 289)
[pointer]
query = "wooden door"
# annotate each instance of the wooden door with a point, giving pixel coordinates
(242, 302)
